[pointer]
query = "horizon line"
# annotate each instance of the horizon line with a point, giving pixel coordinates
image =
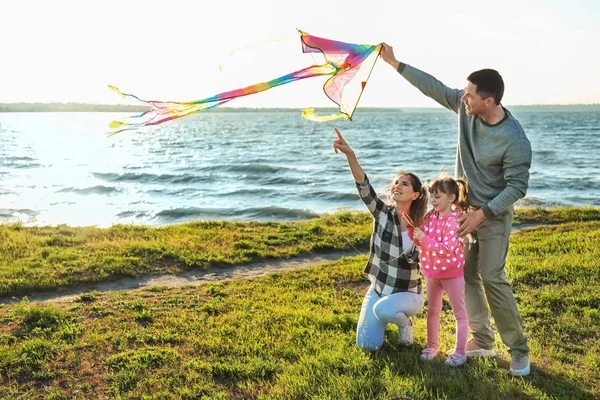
(275, 107)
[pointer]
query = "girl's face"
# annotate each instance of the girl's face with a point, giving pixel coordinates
(442, 202)
(402, 190)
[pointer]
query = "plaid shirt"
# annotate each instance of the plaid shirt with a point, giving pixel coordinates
(390, 268)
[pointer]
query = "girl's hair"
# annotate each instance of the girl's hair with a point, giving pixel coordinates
(419, 206)
(448, 185)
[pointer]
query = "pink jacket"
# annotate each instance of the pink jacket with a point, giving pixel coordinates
(442, 252)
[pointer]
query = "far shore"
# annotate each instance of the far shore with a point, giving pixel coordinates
(90, 107)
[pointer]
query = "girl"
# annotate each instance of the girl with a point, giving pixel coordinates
(396, 292)
(442, 258)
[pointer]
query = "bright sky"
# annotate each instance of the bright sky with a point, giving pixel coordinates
(548, 51)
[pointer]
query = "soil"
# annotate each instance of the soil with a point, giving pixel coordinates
(192, 277)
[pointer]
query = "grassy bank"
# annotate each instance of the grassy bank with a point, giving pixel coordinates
(49, 258)
(291, 335)
(34, 259)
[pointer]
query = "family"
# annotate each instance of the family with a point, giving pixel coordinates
(460, 245)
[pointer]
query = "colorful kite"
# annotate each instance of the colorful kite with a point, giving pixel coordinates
(350, 65)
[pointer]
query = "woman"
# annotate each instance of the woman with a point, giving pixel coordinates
(396, 292)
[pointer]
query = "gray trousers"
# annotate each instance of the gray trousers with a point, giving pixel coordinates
(486, 286)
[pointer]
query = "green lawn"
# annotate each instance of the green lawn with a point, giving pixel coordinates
(34, 259)
(291, 335)
(50, 258)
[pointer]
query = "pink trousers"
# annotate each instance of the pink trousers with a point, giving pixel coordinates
(455, 287)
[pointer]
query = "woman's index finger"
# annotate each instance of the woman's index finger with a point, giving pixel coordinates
(338, 133)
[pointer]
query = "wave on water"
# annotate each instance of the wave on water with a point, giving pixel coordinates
(133, 214)
(585, 128)
(6, 212)
(250, 192)
(530, 202)
(336, 196)
(254, 213)
(174, 192)
(13, 159)
(146, 178)
(99, 189)
(57, 203)
(573, 183)
(279, 213)
(194, 212)
(21, 162)
(543, 153)
(281, 180)
(255, 168)
(11, 215)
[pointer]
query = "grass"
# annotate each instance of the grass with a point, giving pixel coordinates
(34, 259)
(539, 215)
(291, 336)
(37, 259)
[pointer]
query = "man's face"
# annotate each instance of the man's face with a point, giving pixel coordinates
(474, 104)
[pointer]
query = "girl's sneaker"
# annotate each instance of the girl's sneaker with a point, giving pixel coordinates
(456, 360)
(429, 354)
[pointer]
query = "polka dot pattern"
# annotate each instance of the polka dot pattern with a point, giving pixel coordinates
(442, 253)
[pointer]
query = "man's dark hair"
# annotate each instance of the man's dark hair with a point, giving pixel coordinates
(489, 84)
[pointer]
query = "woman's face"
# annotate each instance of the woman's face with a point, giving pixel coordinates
(402, 190)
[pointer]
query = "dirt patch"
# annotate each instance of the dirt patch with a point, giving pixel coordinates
(188, 278)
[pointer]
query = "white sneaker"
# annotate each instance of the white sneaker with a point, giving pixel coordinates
(473, 350)
(520, 365)
(405, 334)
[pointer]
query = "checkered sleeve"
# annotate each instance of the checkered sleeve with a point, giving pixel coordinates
(368, 195)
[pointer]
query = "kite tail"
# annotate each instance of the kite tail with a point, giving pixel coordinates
(166, 111)
(309, 114)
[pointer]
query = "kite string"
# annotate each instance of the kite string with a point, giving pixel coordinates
(254, 45)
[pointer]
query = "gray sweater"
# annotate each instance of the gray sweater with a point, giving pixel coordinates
(495, 159)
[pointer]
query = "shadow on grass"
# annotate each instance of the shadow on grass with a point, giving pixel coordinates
(477, 379)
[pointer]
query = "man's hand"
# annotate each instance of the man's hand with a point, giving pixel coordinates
(387, 55)
(469, 222)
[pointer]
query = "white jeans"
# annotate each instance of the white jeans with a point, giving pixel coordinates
(377, 312)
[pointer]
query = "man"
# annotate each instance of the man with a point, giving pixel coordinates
(494, 155)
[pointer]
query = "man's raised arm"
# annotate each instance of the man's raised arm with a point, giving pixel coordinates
(427, 84)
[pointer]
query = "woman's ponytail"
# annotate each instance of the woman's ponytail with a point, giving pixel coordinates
(419, 206)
